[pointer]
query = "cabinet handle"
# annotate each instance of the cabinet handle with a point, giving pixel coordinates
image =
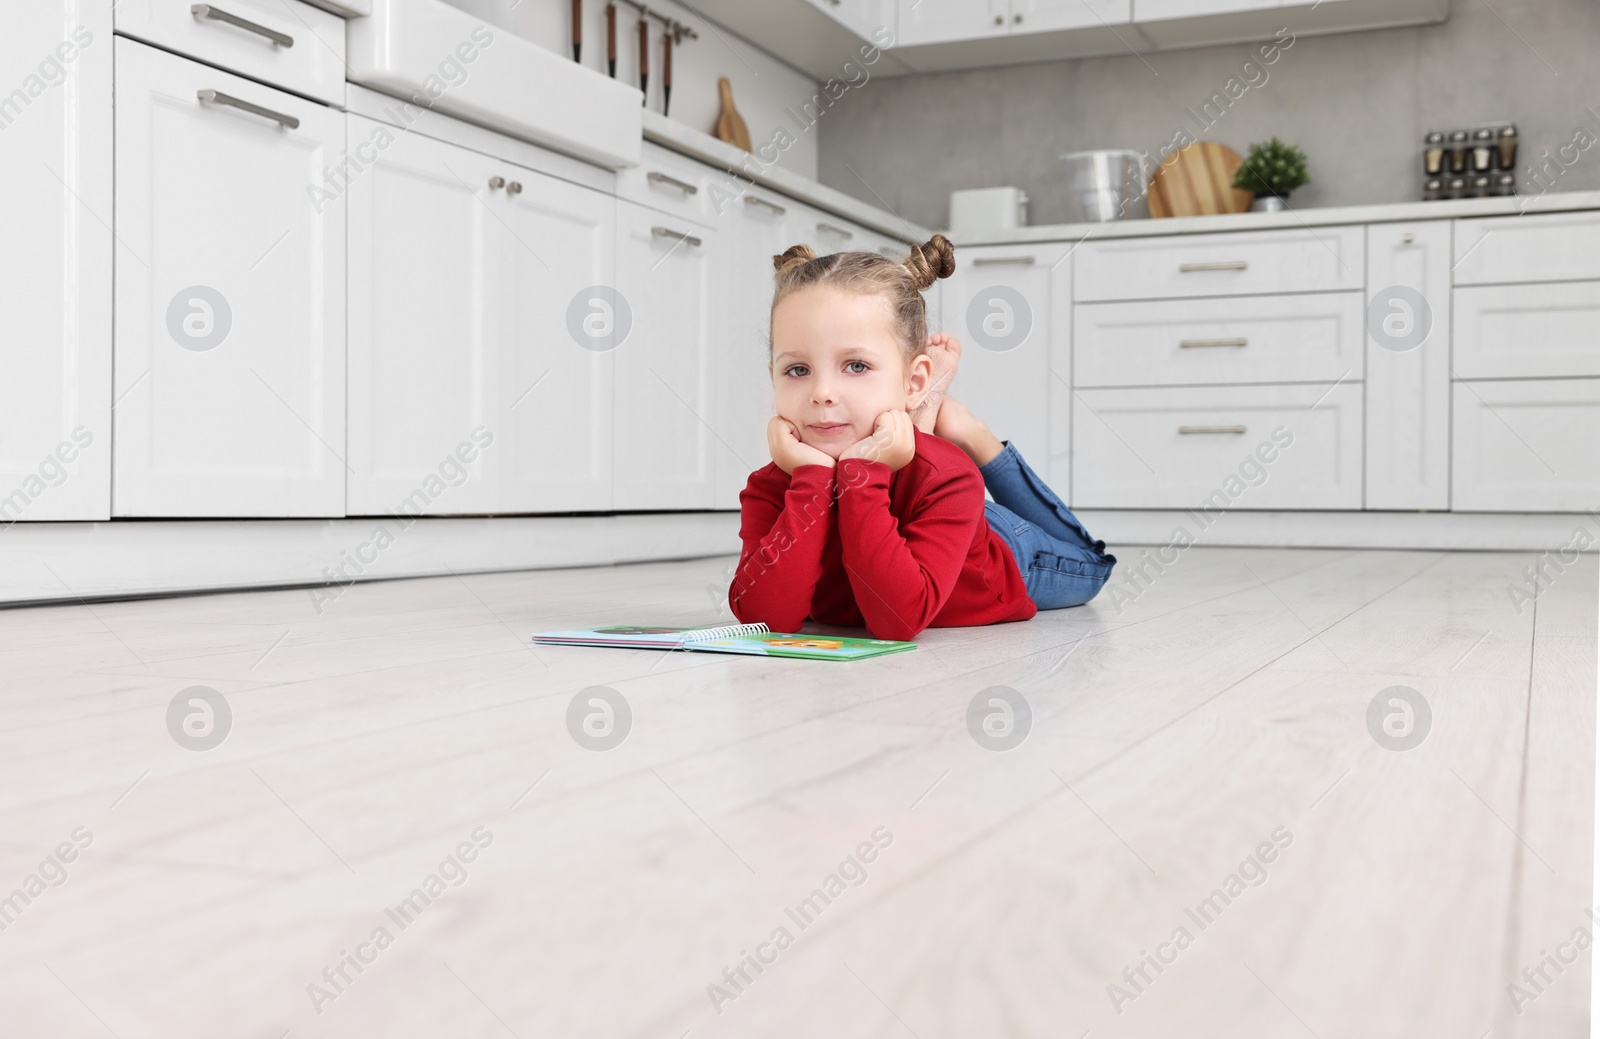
(496, 182)
(1186, 343)
(667, 232)
(1210, 429)
(985, 260)
(206, 11)
(890, 252)
(752, 200)
(835, 230)
(1409, 238)
(658, 177)
(1225, 265)
(217, 97)
(514, 188)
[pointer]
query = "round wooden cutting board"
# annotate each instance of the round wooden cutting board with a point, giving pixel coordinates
(1195, 181)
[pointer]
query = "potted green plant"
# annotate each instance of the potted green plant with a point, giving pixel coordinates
(1270, 172)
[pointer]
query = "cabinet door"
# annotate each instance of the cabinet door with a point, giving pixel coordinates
(663, 452)
(1049, 15)
(55, 267)
(943, 21)
(554, 401)
(1157, 10)
(1526, 445)
(866, 18)
(426, 297)
(1002, 302)
(1408, 366)
(230, 299)
(761, 225)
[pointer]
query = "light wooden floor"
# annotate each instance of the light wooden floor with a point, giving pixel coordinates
(1168, 742)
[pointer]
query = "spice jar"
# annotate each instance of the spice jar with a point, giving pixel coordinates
(1460, 149)
(1433, 153)
(1508, 147)
(1483, 151)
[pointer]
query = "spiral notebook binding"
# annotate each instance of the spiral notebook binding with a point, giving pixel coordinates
(727, 631)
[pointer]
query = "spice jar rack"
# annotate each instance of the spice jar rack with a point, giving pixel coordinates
(1477, 161)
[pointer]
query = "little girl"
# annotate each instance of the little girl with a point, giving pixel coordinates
(872, 512)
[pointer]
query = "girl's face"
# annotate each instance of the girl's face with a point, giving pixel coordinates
(836, 366)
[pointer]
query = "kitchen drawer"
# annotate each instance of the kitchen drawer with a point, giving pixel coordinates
(675, 184)
(1511, 249)
(1324, 259)
(1316, 337)
(283, 42)
(1527, 445)
(1180, 448)
(1518, 331)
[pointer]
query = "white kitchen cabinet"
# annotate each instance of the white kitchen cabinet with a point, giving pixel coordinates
(1407, 336)
(943, 21)
(427, 306)
(559, 265)
(1527, 331)
(1304, 337)
(55, 307)
(1218, 448)
(1230, 263)
(1050, 15)
(1007, 304)
(462, 318)
(1526, 445)
(1527, 248)
(664, 455)
(230, 296)
(866, 18)
(1161, 10)
(760, 225)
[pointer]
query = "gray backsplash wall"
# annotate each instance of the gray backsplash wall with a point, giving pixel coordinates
(1356, 103)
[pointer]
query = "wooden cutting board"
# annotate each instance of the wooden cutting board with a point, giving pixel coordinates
(730, 125)
(1195, 181)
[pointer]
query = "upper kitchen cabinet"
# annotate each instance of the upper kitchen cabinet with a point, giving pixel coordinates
(230, 295)
(1172, 24)
(55, 307)
(941, 35)
(865, 18)
(945, 21)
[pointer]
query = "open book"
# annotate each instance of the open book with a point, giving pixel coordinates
(732, 638)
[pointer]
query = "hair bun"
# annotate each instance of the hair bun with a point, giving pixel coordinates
(934, 259)
(793, 256)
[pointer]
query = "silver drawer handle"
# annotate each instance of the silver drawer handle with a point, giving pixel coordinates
(835, 230)
(1210, 429)
(656, 176)
(217, 97)
(1225, 265)
(667, 232)
(982, 260)
(207, 11)
(1186, 343)
(888, 251)
(752, 200)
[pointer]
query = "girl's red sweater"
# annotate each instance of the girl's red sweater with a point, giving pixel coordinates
(857, 544)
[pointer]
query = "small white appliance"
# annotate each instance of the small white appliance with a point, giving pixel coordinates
(982, 210)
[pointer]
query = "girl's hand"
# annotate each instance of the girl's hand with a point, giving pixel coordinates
(892, 441)
(783, 442)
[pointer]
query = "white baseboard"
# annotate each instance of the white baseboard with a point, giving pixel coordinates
(54, 562)
(51, 562)
(1464, 531)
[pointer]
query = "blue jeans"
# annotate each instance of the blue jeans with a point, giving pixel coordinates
(1060, 563)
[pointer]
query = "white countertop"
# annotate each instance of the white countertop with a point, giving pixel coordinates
(1551, 202)
(679, 137)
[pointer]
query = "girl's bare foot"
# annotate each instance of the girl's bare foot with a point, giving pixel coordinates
(963, 429)
(945, 353)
